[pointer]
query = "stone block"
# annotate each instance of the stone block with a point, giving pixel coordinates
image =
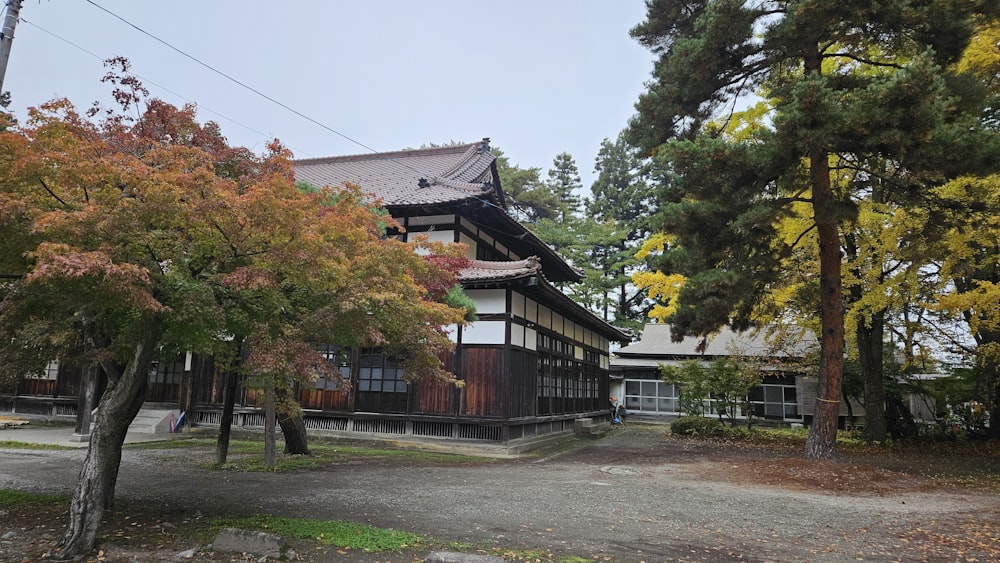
(245, 541)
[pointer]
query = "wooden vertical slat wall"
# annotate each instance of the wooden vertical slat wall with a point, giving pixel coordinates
(481, 367)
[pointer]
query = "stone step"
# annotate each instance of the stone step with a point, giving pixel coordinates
(153, 421)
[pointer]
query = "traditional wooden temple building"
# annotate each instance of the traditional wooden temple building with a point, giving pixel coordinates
(533, 363)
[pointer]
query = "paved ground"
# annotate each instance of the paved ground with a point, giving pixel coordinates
(629, 497)
(63, 436)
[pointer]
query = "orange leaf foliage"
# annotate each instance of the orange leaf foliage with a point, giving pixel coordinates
(130, 218)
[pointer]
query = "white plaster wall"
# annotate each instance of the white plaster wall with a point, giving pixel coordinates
(431, 220)
(530, 338)
(471, 243)
(531, 310)
(517, 304)
(516, 335)
(484, 332)
(439, 236)
(489, 300)
(544, 316)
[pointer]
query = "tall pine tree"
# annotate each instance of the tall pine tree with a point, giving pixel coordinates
(620, 201)
(854, 79)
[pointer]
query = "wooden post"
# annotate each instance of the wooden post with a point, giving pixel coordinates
(186, 397)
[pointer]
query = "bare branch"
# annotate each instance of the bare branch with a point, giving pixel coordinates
(863, 60)
(803, 234)
(51, 193)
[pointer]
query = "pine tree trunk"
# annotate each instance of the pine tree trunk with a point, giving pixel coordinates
(96, 485)
(870, 352)
(822, 440)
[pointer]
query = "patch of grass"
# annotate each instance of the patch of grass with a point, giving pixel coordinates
(255, 464)
(252, 459)
(19, 498)
(235, 446)
(347, 535)
(15, 445)
(370, 539)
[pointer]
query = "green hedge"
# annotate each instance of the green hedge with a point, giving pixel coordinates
(696, 426)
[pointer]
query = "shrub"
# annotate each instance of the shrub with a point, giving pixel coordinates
(696, 426)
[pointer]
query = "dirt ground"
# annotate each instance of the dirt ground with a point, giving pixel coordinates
(635, 495)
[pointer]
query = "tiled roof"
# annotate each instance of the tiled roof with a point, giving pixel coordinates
(484, 271)
(410, 177)
(657, 341)
(446, 176)
(481, 272)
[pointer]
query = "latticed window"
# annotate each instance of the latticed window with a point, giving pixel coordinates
(339, 357)
(167, 372)
(51, 370)
(379, 372)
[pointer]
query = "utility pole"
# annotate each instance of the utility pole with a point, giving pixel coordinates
(7, 36)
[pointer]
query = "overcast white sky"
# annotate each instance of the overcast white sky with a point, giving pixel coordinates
(538, 77)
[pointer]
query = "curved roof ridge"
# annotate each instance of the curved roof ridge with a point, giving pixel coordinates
(466, 186)
(471, 162)
(431, 151)
(529, 263)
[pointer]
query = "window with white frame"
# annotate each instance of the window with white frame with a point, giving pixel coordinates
(650, 396)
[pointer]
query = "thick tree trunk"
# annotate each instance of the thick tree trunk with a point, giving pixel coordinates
(226, 422)
(870, 351)
(231, 386)
(294, 430)
(95, 488)
(822, 440)
(292, 426)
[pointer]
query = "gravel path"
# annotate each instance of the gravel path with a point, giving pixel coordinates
(631, 496)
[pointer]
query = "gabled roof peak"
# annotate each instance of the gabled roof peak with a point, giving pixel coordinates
(427, 176)
(475, 148)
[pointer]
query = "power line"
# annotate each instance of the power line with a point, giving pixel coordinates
(228, 77)
(246, 86)
(237, 82)
(160, 86)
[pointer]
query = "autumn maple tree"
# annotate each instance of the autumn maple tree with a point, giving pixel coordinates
(136, 234)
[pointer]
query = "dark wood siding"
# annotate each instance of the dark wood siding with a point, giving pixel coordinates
(69, 381)
(481, 366)
(324, 399)
(37, 387)
(208, 381)
(519, 397)
(66, 384)
(435, 397)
